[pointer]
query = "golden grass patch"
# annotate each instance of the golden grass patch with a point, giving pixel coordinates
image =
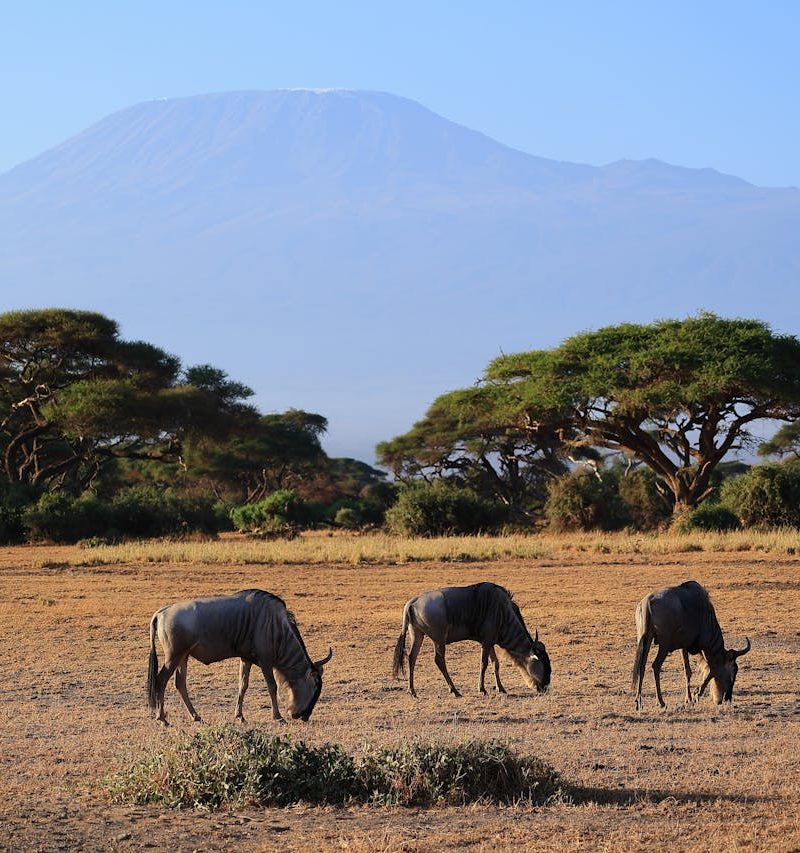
(316, 548)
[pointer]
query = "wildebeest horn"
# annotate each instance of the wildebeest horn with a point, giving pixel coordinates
(744, 651)
(536, 637)
(320, 663)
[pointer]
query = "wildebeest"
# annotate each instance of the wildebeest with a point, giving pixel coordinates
(683, 617)
(483, 612)
(252, 625)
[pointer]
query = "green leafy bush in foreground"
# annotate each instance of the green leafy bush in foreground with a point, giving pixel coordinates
(229, 766)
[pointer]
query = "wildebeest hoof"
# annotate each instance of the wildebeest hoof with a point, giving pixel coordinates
(280, 720)
(197, 718)
(456, 694)
(482, 690)
(413, 693)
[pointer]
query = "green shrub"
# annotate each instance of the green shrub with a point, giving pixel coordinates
(14, 498)
(647, 509)
(582, 501)
(766, 496)
(284, 507)
(714, 517)
(348, 517)
(228, 766)
(146, 511)
(423, 772)
(138, 512)
(440, 509)
(57, 517)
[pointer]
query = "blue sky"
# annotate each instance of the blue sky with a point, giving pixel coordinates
(696, 84)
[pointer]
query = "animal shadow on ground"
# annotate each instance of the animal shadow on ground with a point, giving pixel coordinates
(581, 794)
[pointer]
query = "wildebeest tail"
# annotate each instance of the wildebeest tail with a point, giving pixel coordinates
(642, 649)
(399, 665)
(152, 666)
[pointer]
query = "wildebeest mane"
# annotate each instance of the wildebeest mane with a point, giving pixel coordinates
(518, 614)
(536, 645)
(259, 593)
(289, 614)
(711, 631)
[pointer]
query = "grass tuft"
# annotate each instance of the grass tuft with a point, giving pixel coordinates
(226, 765)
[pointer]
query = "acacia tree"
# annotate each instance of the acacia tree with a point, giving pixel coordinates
(74, 396)
(785, 442)
(485, 437)
(679, 395)
(268, 453)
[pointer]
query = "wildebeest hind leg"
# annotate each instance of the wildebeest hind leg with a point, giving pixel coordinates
(416, 644)
(244, 681)
(497, 683)
(164, 675)
(180, 683)
(688, 670)
(439, 658)
(657, 664)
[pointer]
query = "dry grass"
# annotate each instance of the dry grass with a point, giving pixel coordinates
(383, 549)
(700, 777)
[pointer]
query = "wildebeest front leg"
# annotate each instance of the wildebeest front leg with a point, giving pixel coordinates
(180, 683)
(439, 658)
(484, 664)
(244, 681)
(496, 662)
(702, 687)
(416, 644)
(688, 670)
(657, 664)
(273, 691)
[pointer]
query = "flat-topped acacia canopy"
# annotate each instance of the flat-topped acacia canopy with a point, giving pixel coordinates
(677, 394)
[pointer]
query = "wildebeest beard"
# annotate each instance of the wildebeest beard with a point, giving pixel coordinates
(305, 714)
(541, 653)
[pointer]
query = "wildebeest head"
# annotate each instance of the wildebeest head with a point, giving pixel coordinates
(723, 677)
(304, 693)
(534, 665)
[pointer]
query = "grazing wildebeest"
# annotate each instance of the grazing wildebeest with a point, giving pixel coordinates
(252, 625)
(483, 612)
(683, 617)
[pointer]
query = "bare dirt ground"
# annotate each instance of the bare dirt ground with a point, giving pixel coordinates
(74, 653)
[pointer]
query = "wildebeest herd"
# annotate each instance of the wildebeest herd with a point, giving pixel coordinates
(256, 627)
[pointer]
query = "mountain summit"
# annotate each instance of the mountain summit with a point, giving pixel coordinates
(356, 254)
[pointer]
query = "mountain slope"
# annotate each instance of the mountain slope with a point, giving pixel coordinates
(356, 254)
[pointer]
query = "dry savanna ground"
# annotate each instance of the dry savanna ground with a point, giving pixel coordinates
(74, 651)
